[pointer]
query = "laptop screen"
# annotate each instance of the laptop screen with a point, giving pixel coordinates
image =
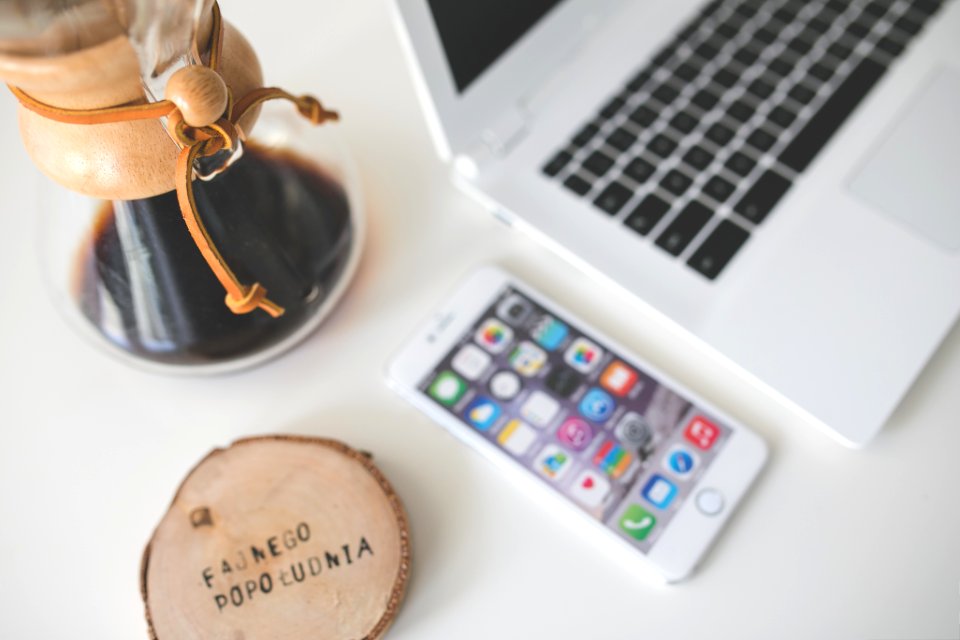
(475, 33)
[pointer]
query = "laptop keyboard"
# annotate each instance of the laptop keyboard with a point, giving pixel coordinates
(700, 145)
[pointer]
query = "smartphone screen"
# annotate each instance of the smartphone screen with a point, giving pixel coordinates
(584, 419)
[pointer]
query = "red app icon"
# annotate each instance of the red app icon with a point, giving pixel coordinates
(618, 379)
(701, 432)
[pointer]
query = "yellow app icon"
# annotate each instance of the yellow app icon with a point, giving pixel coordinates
(527, 358)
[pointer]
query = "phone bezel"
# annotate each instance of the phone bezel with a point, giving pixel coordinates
(689, 534)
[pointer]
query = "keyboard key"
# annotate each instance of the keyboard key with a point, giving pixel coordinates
(665, 93)
(585, 134)
(719, 134)
(802, 93)
(621, 139)
(639, 170)
(577, 184)
(821, 127)
(611, 108)
(647, 214)
(761, 139)
(726, 77)
(799, 45)
(867, 20)
(765, 36)
(683, 122)
(718, 189)
(643, 115)
(706, 51)
(741, 164)
(710, 8)
(662, 145)
(613, 197)
(781, 66)
(890, 46)
(840, 6)
(858, 30)
(762, 196)
(557, 163)
(817, 26)
(746, 10)
(781, 116)
(760, 88)
(636, 83)
(684, 228)
(839, 50)
(746, 56)
(717, 250)
(664, 56)
(705, 99)
(927, 7)
(821, 72)
(728, 29)
(904, 23)
(686, 72)
(741, 111)
(785, 14)
(676, 182)
(698, 158)
(876, 9)
(685, 33)
(598, 163)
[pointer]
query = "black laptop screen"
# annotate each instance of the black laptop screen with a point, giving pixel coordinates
(475, 33)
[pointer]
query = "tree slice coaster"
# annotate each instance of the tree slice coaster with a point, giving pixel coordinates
(278, 538)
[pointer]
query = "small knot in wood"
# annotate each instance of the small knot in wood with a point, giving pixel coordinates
(201, 517)
(199, 93)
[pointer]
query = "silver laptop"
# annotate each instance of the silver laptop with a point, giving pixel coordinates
(779, 178)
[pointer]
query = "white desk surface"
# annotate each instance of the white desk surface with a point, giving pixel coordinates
(833, 543)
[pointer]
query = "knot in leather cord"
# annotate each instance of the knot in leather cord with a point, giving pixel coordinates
(254, 297)
(222, 135)
(310, 108)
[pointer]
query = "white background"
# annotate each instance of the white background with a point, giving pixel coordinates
(832, 543)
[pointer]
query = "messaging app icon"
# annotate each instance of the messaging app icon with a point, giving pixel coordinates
(447, 388)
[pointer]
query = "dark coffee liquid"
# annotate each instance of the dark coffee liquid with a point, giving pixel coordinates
(276, 218)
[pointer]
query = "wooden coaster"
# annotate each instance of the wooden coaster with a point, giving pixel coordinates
(278, 537)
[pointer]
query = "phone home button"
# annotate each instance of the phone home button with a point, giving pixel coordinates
(710, 502)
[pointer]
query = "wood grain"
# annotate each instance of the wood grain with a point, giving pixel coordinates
(278, 537)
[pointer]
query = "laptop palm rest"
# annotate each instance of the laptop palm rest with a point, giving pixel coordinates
(912, 174)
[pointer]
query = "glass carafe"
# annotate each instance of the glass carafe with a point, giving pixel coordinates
(281, 207)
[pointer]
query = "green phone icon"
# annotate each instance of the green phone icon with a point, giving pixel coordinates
(637, 522)
(447, 388)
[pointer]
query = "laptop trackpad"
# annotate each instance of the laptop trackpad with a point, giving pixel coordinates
(912, 175)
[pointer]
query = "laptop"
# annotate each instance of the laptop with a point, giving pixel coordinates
(779, 178)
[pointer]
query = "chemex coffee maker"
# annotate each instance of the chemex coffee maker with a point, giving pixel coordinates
(192, 232)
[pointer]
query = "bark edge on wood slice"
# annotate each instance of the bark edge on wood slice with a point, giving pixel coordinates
(223, 561)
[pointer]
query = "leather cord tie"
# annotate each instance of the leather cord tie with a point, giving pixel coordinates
(198, 142)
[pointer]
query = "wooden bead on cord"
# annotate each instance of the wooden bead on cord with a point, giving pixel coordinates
(199, 93)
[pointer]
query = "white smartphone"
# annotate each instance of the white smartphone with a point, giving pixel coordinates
(633, 456)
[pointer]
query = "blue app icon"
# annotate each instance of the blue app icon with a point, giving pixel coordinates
(659, 491)
(597, 405)
(549, 332)
(680, 462)
(482, 413)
